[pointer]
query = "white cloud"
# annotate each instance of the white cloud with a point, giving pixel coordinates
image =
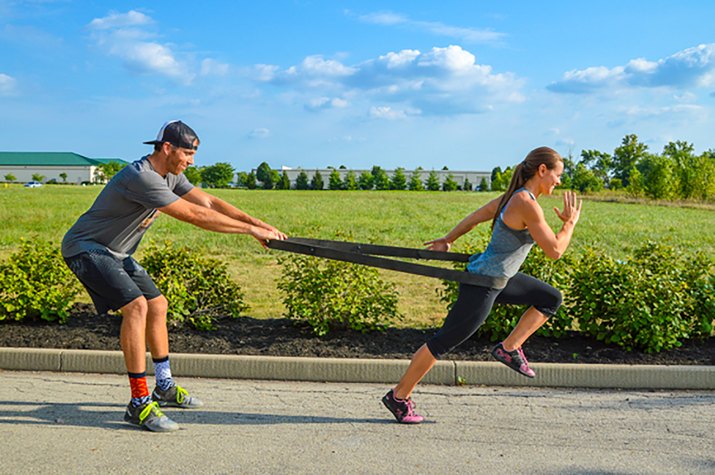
(387, 112)
(468, 35)
(691, 67)
(260, 133)
(321, 103)
(121, 35)
(120, 20)
(8, 85)
(211, 67)
(440, 81)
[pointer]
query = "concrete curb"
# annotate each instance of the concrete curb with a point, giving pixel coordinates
(369, 370)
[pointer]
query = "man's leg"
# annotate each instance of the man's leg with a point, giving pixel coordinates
(132, 335)
(167, 392)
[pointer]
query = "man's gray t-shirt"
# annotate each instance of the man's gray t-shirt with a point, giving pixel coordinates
(124, 210)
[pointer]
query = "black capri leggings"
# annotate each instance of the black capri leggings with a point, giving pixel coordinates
(474, 304)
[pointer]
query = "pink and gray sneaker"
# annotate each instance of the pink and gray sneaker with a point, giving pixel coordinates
(515, 359)
(402, 409)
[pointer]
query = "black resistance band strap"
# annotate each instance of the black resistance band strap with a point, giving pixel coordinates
(359, 253)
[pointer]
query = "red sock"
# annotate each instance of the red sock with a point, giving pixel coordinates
(137, 384)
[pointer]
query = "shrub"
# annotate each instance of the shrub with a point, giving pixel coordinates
(198, 288)
(328, 295)
(650, 301)
(503, 318)
(35, 282)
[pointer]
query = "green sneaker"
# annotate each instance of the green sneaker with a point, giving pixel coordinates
(175, 396)
(150, 417)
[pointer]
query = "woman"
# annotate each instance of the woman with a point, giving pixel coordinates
(517, 222)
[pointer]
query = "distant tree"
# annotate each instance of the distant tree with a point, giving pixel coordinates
(275, 179)
(498, 182)
(317, 182)
(585, 180)
(366, 181)
(467, 185)
(343, 167)
(658, 176)
(568, 174)
(449, 184)
(301, 182)
(263, 173)
(193, 174)
(38, 177)
(495, 170)
(635, 186)
(687, 167)
(284, 184)
(615, 184)
(599, 162)
(251, 181)
(627, 156)
(415, 183)
(705, 183)
(241, 178)
(444, 168)
(63, 175)
(106, 171)
(268, 177)
(218, 175)
(350, 182)
(432, 183)
(335, 182)
(10, 177)
(380, 179)
(398, 181)
(483, 185)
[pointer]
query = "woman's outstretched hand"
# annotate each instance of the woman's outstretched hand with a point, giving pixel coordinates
(440, 244)
(572, 208)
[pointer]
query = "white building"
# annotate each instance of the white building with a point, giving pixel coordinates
(78, 168)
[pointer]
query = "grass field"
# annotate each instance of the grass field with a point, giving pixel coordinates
(391, 217)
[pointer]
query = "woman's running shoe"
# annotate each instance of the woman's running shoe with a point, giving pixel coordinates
(402, 409)
(515, 359)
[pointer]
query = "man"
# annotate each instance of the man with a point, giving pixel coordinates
(99, 248)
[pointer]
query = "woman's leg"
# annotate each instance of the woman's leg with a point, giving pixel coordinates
(529, 322)
(466, 316)
(422, 362)
(544, 301)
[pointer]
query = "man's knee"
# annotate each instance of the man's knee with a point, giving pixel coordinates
(158, 305)
(136, 310)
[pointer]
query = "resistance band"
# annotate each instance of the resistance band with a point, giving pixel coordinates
(364, 254)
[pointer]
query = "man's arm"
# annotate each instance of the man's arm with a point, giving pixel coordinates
(211, 219)
(205, 200)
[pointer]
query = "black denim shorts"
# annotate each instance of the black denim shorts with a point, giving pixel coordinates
(111, 282)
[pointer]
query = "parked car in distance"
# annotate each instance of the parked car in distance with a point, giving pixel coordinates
(33, 184)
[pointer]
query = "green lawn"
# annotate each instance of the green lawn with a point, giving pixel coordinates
(394, 218)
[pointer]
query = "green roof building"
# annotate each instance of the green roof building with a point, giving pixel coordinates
(77, 168)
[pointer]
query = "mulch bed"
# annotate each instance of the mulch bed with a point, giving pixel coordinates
(281, 337)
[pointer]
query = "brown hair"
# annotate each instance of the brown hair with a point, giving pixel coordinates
(527, 169)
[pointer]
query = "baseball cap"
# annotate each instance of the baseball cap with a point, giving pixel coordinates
(177, 134)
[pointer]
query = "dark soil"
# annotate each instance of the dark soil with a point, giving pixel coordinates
(281, 337)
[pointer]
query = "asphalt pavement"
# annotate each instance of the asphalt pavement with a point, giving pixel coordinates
(62, 422)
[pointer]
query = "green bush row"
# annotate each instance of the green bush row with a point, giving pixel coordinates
(36, 283)
(653, 300)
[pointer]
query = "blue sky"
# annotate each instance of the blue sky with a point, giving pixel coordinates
(468, 85)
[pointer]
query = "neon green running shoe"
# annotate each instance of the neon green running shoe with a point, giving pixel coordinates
(175, 396)
(150, 417)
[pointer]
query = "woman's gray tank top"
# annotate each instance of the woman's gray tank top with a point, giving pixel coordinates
(505, 253)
